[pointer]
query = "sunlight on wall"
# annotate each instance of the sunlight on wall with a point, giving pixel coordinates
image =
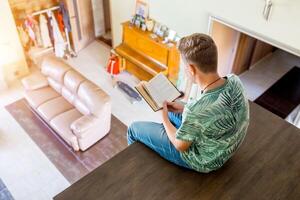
(12, 59)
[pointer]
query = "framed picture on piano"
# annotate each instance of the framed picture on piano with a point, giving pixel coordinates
(142, 9)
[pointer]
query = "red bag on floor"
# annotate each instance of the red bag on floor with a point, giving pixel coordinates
(113, 66)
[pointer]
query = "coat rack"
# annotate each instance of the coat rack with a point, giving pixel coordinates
(71, 52)
(45, 11)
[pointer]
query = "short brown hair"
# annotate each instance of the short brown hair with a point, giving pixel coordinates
(201, 50)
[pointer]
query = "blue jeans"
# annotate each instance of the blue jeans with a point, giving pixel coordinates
(154, 136)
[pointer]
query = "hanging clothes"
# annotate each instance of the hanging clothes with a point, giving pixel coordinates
(60, 21)
(29, 28)
(65, 15)
(37, 32)
(59, 43)
(33, 31)
(50, 29)
(23, 36)
(44, 31)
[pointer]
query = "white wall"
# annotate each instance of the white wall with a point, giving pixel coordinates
(11, 51)
(188, 16)
(178, 15)
(121, 11)
(183, 16)
(98, 14)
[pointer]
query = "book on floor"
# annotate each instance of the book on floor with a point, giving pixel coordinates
(158, 90)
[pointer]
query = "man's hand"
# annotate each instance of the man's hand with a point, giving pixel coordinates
(175, 107)
(180, 145)
(165, 112)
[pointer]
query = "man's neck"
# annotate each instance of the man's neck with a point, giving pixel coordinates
(203, 80)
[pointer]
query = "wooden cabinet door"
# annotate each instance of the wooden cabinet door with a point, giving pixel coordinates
(81, 19)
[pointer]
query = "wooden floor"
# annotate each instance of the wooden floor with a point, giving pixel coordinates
(267, 166)
(106, 41)
(284, 96)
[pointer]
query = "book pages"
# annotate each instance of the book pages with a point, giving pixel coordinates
(161, 89)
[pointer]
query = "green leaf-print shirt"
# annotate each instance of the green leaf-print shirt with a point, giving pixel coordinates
(216, 124)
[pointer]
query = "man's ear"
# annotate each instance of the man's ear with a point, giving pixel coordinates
(192, 69)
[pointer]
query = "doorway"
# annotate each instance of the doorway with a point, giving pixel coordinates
(102, 21)
(270, 72)
(238, 51)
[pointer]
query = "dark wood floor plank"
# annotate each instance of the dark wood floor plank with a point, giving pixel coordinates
(266, 166)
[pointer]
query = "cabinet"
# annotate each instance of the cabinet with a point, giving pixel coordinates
(282, 29)
(145, 57)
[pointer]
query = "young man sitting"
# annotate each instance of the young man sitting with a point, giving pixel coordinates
(201, 135)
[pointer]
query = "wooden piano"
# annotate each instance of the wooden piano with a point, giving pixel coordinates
(145, 57)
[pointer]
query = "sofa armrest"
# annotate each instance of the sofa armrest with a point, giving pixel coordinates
(80, 126)
(34, 81)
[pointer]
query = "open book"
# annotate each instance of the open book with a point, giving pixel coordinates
(158, 90)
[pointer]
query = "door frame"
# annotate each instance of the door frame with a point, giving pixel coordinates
(111, 25)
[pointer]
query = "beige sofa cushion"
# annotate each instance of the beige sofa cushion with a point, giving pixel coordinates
(72, 80)
(53, 108)
(69, 96)
(81, 125)
(35, 81)
(55, 68)
(37, 97)
(81, 107)
(93, 97)
(61, 124)
(55, 85)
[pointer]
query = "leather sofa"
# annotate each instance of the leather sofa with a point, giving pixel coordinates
(75, 108)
